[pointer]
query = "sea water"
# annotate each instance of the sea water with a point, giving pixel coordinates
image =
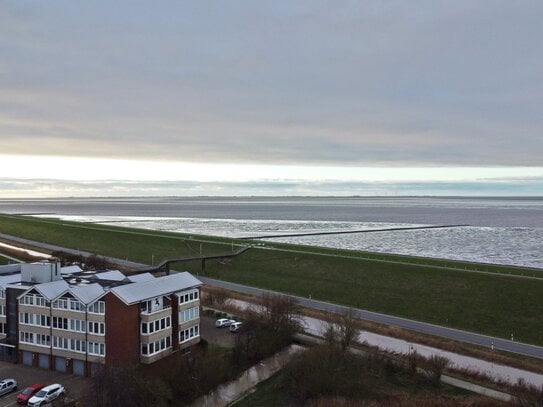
(499, 230)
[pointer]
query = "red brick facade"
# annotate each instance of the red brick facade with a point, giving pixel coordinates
(123, 331)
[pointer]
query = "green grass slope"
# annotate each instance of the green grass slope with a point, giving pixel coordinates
(446, 293)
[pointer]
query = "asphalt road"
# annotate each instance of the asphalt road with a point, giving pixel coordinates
(421, 327)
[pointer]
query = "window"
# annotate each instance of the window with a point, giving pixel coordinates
(60, 323)
(28, 299)
(74, 345)
(96, 328)
(77, 325)
(157, 325)
(99, 307)
(189, 314)
(34, 338)
(76, 305)
(34, 319)
(2, 293)
(188, 296)
(2, 328)
(27, 337)
(43, 340)
(156, 346)
(61, 303)
(96, 348)
(33, 299)
(2, 310)
(188, 333)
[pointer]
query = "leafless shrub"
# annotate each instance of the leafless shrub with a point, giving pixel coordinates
(341, 330)
(67, 259)
(434, 367)
(215, 297)
(95, 263)
(527, 395)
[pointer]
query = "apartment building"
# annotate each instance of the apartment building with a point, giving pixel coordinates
(73, 321)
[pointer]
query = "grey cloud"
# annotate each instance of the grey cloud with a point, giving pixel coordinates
(457, 83)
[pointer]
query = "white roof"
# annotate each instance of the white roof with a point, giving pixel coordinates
(9, 279)
(10, 268)
(113, 275)
(70, 269)
(136, 278)
(51, 290)
(145, 290)
(87, 294)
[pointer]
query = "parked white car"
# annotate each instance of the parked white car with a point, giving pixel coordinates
(46, 395)
(221, 323)
(7, 386)
(236, 326)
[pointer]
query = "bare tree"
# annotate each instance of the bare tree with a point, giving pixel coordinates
(341, 330)
(215, 296)
(279, 313)
(95, 263)
(436, 365)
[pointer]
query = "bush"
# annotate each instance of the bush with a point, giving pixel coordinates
(435, 367)
(118, 386)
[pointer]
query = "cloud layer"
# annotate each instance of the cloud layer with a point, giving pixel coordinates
(337, 83)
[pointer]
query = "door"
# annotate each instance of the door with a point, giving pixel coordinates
(27, 358)
(44, 361)
(60, 364)
(79, 367)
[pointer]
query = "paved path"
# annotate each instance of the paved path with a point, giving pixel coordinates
(421, 327)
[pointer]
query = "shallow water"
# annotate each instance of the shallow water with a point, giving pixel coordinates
(502, 230)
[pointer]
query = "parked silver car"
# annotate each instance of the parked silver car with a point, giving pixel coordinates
(236, 326)
(7, 386)
(220, 323)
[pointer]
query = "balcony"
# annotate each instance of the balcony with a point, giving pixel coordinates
(147, 315)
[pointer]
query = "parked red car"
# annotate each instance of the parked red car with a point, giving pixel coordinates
(27, 393)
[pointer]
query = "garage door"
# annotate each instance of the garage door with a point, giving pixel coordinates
(44, 361)
(60, 364)
(27, 358)
(79, 367)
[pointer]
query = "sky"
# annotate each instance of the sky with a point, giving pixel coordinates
(271, 98)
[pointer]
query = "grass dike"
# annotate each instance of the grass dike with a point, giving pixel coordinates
(499, 301)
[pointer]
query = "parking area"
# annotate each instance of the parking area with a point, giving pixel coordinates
(216, 336)
(75, 386)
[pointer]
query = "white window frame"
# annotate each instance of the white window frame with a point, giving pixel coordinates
(158, 346)
(97, 307)
(189, 314)
(189, 333)
(188, 296)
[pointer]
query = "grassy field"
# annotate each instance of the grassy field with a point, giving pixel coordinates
(4, 260)
(447, 293)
